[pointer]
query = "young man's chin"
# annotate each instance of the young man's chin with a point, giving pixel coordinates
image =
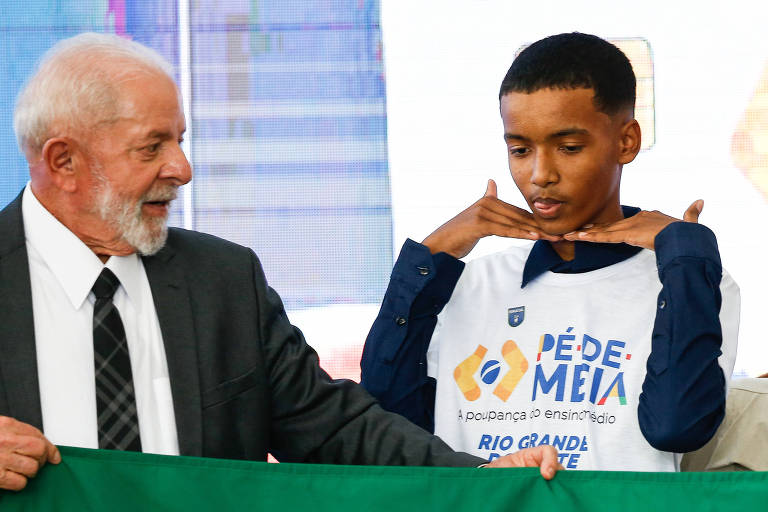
(556, 227)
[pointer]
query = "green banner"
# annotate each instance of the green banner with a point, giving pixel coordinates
(93, 480)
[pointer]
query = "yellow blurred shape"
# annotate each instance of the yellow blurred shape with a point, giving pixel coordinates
(749, 144)
(638, 51)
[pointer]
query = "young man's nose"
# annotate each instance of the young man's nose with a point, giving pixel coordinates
(544, 171)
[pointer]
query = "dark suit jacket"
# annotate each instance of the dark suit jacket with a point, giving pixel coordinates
(244, 382)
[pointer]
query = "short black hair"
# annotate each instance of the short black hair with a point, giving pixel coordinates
(574, 61)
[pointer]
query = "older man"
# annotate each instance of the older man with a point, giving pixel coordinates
(116, 332)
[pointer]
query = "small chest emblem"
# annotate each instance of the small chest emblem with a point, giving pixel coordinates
(515, 316)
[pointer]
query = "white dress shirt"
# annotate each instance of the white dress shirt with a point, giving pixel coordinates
(62, 271)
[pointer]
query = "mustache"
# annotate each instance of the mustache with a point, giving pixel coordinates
(161, 193)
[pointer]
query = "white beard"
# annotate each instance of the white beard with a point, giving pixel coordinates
(145, 234)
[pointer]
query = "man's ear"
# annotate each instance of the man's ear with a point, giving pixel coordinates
(630, 140)
(58, 156)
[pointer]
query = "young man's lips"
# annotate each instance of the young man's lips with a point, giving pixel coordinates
(547, 208)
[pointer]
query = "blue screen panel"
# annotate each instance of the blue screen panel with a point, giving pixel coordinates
(289, 147)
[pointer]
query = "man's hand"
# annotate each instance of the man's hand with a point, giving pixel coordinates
(543, 456)
(23, 451)
(488, 216)
(639, 230)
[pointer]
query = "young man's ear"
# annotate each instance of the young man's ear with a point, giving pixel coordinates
(629, 141)
(57, 154)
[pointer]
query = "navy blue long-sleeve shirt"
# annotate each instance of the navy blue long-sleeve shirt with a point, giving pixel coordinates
(683, 397)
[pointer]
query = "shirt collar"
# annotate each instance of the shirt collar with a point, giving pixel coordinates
(71, 262)
(587, 256)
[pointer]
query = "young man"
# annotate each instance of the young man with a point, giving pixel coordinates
(550, 343)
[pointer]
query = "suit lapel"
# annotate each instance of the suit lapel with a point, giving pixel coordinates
(171, 297)
(18, 359)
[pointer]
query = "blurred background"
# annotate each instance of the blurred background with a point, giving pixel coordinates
(323, 133)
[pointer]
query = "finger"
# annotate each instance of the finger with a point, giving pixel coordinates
(549, 463)
(54, 456)
(693, 211)
(509, 215)
(499, 217)
(508, 210)
(492, 223)
(21, 464)
(602, 225)
(25, 440)
(513, 232)
(490, 189)
(621, 226)
(12, 481)
(35, 447)
(13, 426)
(601, 236)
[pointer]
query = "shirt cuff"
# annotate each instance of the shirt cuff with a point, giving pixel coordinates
(449, 269)
(416, 263)
(426, 279)
(413, 262)
(686, 239)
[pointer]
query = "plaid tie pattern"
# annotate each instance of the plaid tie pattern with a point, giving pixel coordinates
(118, 421)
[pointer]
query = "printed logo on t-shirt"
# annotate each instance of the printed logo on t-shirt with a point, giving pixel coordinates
(566, 369)
(573, 372)
(517, 365)
(515, 316)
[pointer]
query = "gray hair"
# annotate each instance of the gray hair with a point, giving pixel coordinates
(74, 86)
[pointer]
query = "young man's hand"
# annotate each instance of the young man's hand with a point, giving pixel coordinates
(543, 456)
(639, 230)
(488, 216)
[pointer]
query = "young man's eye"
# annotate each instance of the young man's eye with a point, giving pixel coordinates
(518, 150)
(571, 148)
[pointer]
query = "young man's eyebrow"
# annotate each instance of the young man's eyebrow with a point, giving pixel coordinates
(514, 136)
(560, 133)
(568, 131)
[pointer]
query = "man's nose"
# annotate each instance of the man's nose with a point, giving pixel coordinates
(177, 167)
(544, 170)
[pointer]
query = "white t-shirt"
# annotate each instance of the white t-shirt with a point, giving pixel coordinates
(559, 362)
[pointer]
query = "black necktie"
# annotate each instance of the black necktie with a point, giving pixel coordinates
(115, 399)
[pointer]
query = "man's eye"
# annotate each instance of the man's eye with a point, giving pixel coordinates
(518, 150)
(152, 148)
(571, 148)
